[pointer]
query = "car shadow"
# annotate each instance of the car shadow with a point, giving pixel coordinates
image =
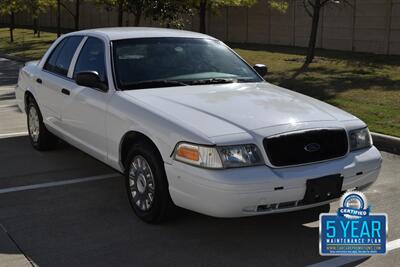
(23, 165)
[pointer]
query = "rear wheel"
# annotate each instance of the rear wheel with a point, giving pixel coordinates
(40, 137)
(147, 184)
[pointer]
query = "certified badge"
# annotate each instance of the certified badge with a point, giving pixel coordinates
(353, 230)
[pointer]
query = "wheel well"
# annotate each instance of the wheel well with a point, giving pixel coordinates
(132, 138)
(27, 97)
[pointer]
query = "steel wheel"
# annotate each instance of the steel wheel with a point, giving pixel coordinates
(34, 124)
(147, 184)
(141, 183)
(41, 138)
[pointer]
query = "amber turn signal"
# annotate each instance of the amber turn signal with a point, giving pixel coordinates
(189, 153)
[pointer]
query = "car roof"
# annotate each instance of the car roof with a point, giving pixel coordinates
(119, 33)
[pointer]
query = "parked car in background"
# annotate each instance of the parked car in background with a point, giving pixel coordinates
(191, 124)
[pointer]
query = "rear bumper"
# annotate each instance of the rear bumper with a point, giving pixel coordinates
(260, 190)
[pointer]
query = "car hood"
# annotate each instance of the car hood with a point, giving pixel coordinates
(237, 107)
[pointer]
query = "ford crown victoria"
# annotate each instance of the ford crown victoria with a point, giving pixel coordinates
(191, 124)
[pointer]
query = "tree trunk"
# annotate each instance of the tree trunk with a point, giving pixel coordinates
(202, 15)
(38, 26)
(12, 23)
(314, 32)
(58, 18)
(138, 16)
(35, 26)
(76, 18)
(120, 13)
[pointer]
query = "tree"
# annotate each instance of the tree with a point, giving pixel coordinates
(10, 8)
(168, 13)
(75, 15)
(313, 9)
(204, 6)
(37, 7)
(109, 5)
(138, 8)
(161, 10)
(58, 18)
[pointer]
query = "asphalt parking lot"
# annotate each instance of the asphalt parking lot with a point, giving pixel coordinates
(64, 208)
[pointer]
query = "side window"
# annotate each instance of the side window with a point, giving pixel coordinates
(92, 58)
(50, 64)
(61, 57)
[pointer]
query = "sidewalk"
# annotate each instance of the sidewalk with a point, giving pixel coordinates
(9, 111)
(10, 254)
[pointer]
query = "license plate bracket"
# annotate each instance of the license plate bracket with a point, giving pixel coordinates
(323, 189)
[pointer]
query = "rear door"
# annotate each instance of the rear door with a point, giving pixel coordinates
(53, 80)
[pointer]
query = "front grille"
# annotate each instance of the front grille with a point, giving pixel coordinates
(306, 146)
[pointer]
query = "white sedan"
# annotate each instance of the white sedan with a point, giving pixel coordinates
(191, 124)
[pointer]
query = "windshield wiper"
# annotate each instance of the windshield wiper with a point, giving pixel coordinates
(152, 84)
(212, 81)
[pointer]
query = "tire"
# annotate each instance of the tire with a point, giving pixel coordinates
(147, 184)
(41, 138)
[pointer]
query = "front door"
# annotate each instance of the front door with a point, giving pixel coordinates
(84, 110)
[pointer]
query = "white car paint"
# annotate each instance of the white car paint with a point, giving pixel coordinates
(237, 113)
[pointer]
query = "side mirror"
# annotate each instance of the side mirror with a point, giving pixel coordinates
(261, 69)
(90, 79)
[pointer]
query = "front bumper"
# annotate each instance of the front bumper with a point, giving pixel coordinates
(261, 189)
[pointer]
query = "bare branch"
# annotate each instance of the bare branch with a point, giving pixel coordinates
(325, 2)
(348, 3)
(307, 9)
(68, 10)
(338, 3)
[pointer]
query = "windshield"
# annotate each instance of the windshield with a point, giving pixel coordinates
(162, 62)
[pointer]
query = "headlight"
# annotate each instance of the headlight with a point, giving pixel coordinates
(360, 139)
(218, 157)
(240, 156)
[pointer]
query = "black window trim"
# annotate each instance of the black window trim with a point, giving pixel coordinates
(65, 77)
(85, 39)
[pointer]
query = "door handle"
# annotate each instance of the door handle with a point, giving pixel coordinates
(38, 80)
(65, 91)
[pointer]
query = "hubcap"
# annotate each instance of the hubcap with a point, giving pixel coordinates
(33, 120)
(141, 183)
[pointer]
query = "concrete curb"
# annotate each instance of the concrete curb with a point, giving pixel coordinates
(386, 143)
(15, 58)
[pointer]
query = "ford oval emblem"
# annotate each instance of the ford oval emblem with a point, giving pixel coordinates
(312, 147)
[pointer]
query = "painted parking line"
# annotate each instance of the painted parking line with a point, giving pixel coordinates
(339, 261)
(8, 135)
(395, 244)
(8, 106)
(58, 183)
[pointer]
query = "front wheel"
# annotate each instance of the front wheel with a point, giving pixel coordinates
(147, 184)
(40, 137)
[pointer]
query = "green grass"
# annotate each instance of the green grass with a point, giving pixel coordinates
(25, 44)
(365, 85)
